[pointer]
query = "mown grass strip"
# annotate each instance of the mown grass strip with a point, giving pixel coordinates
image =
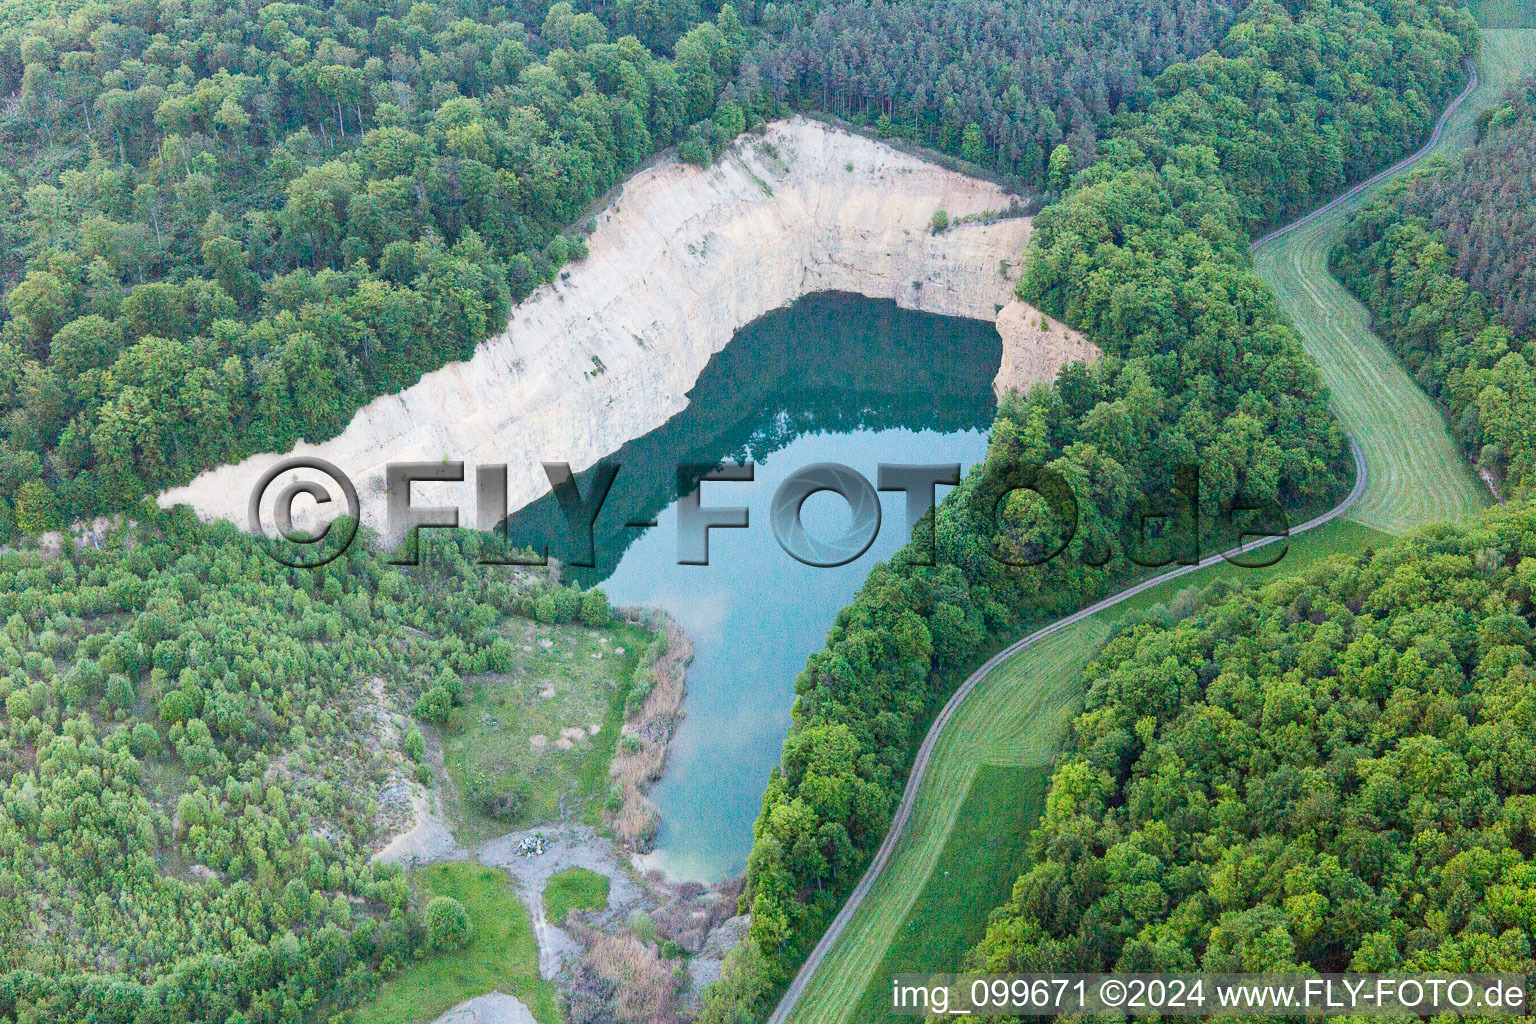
(1504, 14)
(983, 856)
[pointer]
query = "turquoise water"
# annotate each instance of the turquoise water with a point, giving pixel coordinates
(834, 378)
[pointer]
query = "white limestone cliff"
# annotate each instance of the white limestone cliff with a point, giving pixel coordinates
(677, 264)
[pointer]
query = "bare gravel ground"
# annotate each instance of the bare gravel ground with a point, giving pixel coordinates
(565, 846)
(429, 839)
(491, 1008)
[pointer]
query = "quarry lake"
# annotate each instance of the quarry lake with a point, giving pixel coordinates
(832, 378)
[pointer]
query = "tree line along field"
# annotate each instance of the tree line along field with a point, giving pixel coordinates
(989, 775)
(1323, 774)
(224, 227)
(1441, 263)
(932, 923)
(1418, 473)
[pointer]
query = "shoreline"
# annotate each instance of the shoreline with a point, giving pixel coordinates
(645, 739)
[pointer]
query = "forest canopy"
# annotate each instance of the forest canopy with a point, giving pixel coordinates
(190, 749)
(225, 227)
(1147, 253)
(1330, 773)
(1484, 207)
(999, 84)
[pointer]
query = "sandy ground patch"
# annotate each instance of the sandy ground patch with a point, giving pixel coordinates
(491, 1008)
(428, 839)
(565, 846)
(706, 967)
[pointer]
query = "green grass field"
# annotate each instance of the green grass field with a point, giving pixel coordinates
(1417, 473)
(1508, 56)
(1011, 725)
(574, 889)
(502, 953)
(1503, 14)
(981, 860)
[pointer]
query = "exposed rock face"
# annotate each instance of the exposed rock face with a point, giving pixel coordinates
(1035, 346)
(683, 259)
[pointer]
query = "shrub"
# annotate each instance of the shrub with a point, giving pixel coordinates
(695, 149)
(448, 924)
(35, 511)
(19, 705)
(730, 121)
(449, 680)
(415, 745)
(505, 803)
(144, 741)
(641, 926)
(434, 705)
(567, 604)
(119, 693)
(594, 608)
(500, 656)
(544, 608)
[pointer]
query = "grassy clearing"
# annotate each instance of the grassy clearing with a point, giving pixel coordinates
(574, 889)
(502, 953)
(1509, 54)
(541, 737)
(1417, 473)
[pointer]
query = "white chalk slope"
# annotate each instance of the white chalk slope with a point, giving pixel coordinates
(678, 263)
